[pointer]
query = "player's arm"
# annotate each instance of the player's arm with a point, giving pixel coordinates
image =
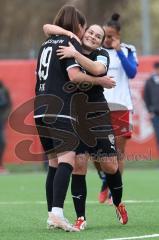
(75, 75)
(50, 29)
(94, 67)
(129, 63)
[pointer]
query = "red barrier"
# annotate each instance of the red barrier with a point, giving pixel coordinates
(143, 143)
(19, 77)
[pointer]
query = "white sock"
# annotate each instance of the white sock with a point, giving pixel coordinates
(58, 211)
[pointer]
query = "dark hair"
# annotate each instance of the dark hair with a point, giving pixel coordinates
(69, 18)
(156, 64)
(114, 22)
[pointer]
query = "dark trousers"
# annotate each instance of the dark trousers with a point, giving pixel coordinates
(155, 122)
(2, 141)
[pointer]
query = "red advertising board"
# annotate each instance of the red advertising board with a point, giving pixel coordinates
(19, 78)
(142, 144)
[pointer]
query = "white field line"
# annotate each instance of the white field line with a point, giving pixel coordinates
(70, 202)
(137, 237)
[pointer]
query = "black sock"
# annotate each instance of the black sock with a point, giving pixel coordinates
(79, 194)
(115, 186)
(61, 183)
(49, 187)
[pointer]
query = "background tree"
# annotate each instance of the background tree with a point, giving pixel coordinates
(21, 22)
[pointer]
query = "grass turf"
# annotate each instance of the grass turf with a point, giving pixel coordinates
(23, 210)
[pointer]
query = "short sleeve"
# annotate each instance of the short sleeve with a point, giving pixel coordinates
(103, 57)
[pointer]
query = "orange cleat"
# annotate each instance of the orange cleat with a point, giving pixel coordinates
(122, 214)
(80, 223)
(103, 195)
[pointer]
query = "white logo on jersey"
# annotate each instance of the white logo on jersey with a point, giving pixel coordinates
(42, 87)
(44, 63)
(111, 138)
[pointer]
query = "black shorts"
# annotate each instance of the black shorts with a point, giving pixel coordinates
(63, 135)
(56, 135)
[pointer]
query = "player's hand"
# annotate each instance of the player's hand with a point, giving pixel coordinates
(107, 82)
(72, 35)
(66, 52)
(116, 43)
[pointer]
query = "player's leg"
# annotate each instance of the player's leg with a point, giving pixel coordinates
(58, 179)
(120, 146)
(123, 137)
(79, 190)
(104, 191)
(110, 166)
(60, 187)
(114, 179)
(53, 164)
(48, 144)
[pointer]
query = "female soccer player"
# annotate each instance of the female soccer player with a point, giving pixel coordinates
(53, 114)
(123, 67)
(93, 61)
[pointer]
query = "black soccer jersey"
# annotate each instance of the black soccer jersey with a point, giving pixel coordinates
(95, 94)
(51, 72)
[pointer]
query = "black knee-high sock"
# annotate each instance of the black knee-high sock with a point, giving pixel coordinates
(49, 187)
(115, 185)
(79, 194)
(61, 183)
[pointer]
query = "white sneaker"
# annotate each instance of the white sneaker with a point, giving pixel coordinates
(60, 222)
(50, 224)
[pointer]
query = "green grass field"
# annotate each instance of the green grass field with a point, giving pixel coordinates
(23, 210)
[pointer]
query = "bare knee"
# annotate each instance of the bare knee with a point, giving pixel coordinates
(80, 167)
(53, 163)
(67, 157)
(109, 165)
(112, 169)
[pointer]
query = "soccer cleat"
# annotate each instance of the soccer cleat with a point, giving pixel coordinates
(103, 195)
(122, 213)
(80, 223)
(60, 222)
(50, 224)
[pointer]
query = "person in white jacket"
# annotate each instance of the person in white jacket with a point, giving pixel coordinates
(123, 67)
